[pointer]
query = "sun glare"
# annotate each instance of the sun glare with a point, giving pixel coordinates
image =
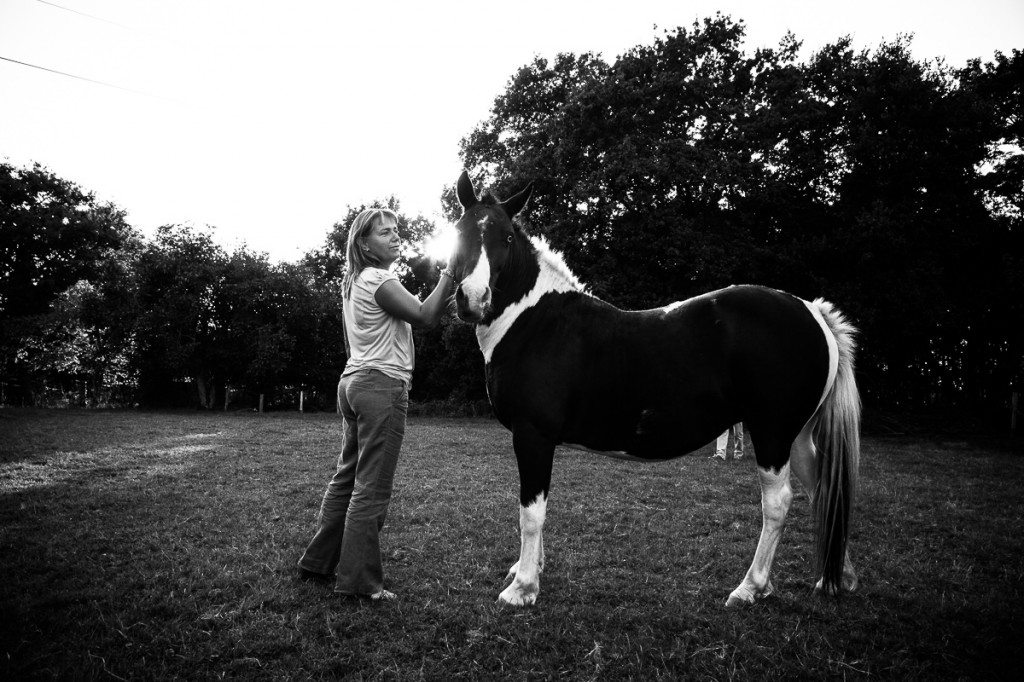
(439, 245)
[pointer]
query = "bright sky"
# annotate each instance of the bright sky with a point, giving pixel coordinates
(268, 118)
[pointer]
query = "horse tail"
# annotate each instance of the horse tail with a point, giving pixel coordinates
(837, 440)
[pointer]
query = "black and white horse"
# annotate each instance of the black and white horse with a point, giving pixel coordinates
(564, 367)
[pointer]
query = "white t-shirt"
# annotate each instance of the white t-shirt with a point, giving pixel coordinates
(377, 339)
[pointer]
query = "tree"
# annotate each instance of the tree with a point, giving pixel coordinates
(52, 234)
(282, 332)
(998, 89)
(179, 333)
(916, 243)
(59, 248)
(315, 321)
(219, 322)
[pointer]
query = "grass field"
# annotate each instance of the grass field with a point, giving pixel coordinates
(162, 546)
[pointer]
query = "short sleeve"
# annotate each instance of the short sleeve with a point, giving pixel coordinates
(374, 277)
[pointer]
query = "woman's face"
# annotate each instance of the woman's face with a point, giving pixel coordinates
(383, 241)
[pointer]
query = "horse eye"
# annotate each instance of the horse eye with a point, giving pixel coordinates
(509, 239)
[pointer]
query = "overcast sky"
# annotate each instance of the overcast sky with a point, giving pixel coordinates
(268, 118)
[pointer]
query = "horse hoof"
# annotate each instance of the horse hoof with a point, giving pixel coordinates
(517, 597)
(819, 588)
(744, 595)
(740, 597)
(847, 585)
(735, 601)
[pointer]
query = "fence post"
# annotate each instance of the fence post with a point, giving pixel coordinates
(261, 403)
(302, 395)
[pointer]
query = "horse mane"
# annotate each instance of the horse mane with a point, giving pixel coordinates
(553, 263)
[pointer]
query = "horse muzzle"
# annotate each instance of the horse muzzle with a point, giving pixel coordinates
(472, 303)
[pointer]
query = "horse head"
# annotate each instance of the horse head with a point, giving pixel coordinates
(486, 242)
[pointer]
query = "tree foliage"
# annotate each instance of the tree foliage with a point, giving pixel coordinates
(179, 332)
(52, 234)
(232, 321)
(59, 251)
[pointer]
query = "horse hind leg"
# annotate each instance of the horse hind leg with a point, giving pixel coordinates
(776, 496)
(805, 466)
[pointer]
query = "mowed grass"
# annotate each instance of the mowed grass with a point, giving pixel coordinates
(163, 546)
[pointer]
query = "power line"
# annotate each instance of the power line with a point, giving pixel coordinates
(71, 75)
(83, 78)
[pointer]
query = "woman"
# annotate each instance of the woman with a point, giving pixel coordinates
(373, 398)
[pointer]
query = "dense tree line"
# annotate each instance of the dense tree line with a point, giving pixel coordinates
(91, 313)
(890, 186)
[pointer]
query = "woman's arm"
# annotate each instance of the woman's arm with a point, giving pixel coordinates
(397, 301)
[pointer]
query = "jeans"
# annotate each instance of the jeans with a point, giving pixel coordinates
(737, 442)
(347, 540)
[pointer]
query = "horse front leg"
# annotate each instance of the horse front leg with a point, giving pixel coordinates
(534, 456)
(523, 522)
(776, 497)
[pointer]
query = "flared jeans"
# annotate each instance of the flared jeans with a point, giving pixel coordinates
(347, 540)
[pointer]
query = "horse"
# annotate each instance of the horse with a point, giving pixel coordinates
(563, 367)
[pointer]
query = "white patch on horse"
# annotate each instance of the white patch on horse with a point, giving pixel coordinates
(526, 584)
(476, 285)
(555, 276)
(833, 347)
(671, 306)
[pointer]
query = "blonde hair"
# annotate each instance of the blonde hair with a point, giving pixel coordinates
(357, 259)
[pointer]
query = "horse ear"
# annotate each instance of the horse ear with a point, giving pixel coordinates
(464, 190)
(515, 204)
